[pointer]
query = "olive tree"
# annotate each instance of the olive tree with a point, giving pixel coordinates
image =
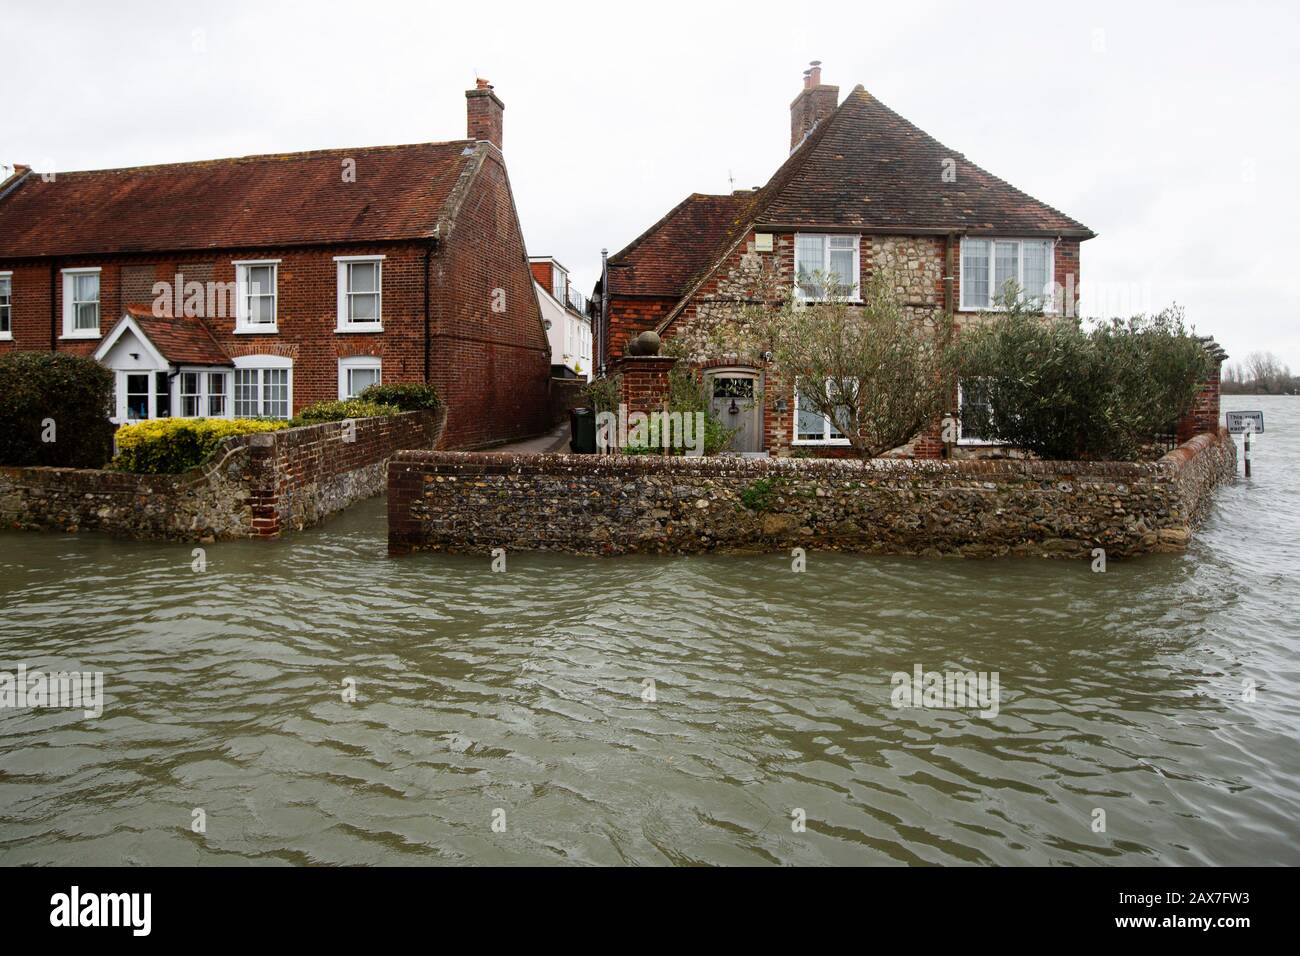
(1052, 387)
(880, 373)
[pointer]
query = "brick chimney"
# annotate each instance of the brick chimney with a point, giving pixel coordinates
(814, 103)
(485, 113)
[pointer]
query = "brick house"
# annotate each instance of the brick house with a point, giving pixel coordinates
(257, 286)
(862, 188)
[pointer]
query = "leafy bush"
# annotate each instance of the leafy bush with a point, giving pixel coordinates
(872, 365)
(601, 394)
(72, 392)
(168, 446)
(1065, 392)
(405, 396)
(337, 411)
(686, 395)
(760, 493)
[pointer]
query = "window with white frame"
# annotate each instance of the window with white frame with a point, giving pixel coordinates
(361, 285)
(81, 303)
(6, 306)
(256, 296)
(358, 373)
(811, 427)
(826, 266)
(989, 267)
(202, 394)
(972, 396)
(263, 386)
(559, 284)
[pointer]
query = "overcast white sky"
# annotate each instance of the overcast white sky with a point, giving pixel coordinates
(1169, 128)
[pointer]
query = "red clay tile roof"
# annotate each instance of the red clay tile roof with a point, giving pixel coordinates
(872, 168)
(182, 341)
(254, 201)
(664, 258)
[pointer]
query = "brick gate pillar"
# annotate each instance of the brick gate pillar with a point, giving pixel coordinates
(1204, 415)
(644, 385)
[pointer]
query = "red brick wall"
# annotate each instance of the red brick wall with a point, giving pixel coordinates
(1204, 415)
(644, 386)
(306, 308)
(629, 316)
(542, 273)
(493, 368)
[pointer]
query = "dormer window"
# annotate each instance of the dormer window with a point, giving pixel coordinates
(826, 267)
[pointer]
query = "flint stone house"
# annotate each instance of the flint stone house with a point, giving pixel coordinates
(254, 287)
(862, 189)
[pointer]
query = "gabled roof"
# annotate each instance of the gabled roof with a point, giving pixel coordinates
(873, 169)
(864, 167)
(180, 341)
(663, 259)
(286, 199)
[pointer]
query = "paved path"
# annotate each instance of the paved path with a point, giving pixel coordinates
(556, 440)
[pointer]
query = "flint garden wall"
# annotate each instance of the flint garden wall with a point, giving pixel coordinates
(256, 485)
(474, 502)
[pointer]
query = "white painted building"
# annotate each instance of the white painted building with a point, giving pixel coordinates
(564, 311)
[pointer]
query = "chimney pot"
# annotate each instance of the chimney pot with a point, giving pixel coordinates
(485, 117)
(814, 104)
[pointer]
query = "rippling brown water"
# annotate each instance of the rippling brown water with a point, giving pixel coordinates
(523, 692)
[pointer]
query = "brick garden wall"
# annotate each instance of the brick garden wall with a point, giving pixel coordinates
(622, 504)
(256, 486)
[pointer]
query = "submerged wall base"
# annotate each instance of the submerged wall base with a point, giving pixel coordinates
(256, 485)
(586, 504)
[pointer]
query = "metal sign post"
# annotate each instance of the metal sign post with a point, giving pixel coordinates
(1245, 424)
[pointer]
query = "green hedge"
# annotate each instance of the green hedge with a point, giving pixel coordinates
(407, 396)
(55, 409)
(168, 446)
(1068, 392)
(338, 411)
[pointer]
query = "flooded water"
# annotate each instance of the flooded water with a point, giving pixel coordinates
(507, 717)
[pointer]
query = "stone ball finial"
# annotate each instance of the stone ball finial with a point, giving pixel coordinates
(649, 342)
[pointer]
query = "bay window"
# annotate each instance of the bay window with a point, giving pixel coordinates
(202, 394)
(990, 266)
(826, 266)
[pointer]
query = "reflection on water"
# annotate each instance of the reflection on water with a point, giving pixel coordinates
(524, 692)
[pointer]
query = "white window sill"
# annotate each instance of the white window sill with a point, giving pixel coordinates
(361, 327)
(820, 441)
(257, 330)
(6, 336)
(976, 310)
(806, 302)
(78, 335)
